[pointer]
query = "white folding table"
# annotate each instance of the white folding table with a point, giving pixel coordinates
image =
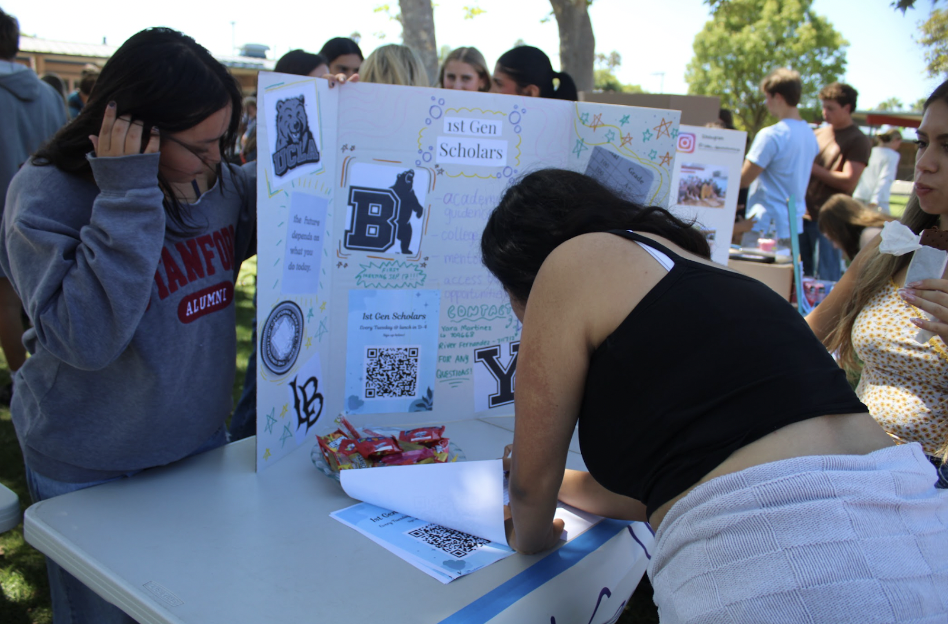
(209, 540)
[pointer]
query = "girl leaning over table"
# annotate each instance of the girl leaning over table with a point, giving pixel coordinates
(123, 237)
(871, 317)
(774, 494)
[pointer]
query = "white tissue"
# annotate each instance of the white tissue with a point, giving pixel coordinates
(898, 240)
(927, 263)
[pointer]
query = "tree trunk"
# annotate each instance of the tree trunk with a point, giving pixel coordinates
(418, 33)
(577, 42)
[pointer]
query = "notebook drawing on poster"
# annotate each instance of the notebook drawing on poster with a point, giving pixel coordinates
(624, 177)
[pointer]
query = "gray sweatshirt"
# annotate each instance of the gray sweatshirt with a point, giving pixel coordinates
(133, 341)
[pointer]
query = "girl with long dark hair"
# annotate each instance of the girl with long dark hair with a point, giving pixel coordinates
(123, 237)
(526, 70)
(774, 495)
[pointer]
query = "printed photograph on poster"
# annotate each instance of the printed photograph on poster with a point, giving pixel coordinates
(391, 350)
(623, 176)
(293, 131)
(495, 375)
(385, 208)
(702, 185)
(305, 229)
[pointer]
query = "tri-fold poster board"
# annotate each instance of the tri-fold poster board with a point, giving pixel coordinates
(372, 301)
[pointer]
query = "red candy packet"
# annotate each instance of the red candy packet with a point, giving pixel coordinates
(375, 447)
(424, 435)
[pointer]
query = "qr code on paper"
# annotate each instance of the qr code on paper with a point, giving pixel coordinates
(454, 543)
(391, 372)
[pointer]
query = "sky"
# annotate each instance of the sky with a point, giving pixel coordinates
(654, 38)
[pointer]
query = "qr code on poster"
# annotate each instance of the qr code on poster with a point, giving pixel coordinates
(391, 372)
(454, 543)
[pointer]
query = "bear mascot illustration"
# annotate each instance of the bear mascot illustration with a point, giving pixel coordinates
(295, 144)
(407, 204)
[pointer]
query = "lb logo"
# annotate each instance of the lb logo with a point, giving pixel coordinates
(686, 142)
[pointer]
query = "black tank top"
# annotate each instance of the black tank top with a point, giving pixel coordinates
(709, 361)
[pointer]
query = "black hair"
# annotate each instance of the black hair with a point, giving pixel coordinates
(546, 208)
(9, 36)
(340, 46)
(167, 81)
(299, 62)
(527, 65)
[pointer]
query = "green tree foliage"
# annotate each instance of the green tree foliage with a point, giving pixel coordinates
(892, 104)
(918, 106)
(604, 77)
(746, 39)
(933, 37)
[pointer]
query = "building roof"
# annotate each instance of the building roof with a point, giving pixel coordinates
(890, 118)
(37, 45)
(65, 48)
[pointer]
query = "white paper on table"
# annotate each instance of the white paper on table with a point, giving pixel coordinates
(464, 496)
(927, 263)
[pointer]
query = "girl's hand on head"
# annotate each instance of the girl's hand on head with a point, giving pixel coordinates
(122, 136)
(930, 295)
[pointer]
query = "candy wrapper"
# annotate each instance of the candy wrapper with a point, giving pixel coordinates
(927, 263)
(350, 448)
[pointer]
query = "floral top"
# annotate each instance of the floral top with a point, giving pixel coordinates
(904, 384)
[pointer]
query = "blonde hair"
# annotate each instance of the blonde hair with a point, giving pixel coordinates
(842, 220)
(876, 272)
(394, 64)
(474, 58)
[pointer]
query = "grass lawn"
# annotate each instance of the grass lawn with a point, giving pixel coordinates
(897, 205)
(24, 591)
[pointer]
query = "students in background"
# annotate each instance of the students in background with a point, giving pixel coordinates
(30, 113)
(343, 55)
(464, 69)
(774, 495)
(779, 160)
(849, 224)
(843, 154)
(526, 70)
(875, 183)
(124, 236)
(302, 63)
(78, 98)
(394, 64)
(870, 319)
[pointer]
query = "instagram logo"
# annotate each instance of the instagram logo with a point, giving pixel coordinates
(686, 142)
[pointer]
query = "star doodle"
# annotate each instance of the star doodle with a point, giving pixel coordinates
(424, 265)
(287, 435)
(597, 122)
(285, 410)
(610, 136)
(674, 133)
(666, 159)
(653, 154)
(584, 118)
(322, 307)
(345, 147)
(352, 148)
(310, 314)
(339, 265)
(624, 120)
(267, 455)
(663, 127)
(580, 147)
(322, 330)
(270, 421)
(647, 135)
(626, 139)
(309, 341)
